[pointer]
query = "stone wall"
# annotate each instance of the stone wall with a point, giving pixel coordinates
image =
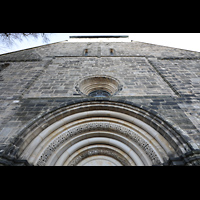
(164, 80)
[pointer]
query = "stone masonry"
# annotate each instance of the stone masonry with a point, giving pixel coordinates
(164, 80)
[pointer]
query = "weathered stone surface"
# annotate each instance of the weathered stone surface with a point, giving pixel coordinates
(24, 55)
(133, 49)
(164, 80)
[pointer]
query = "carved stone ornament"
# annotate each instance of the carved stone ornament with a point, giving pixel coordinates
(98, 126)
(116, 132)
(90, 84)
(99, 151)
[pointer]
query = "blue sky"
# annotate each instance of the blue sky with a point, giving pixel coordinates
(188, 41)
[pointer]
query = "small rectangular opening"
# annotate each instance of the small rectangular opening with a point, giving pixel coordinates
(86, 52)
(111, 52)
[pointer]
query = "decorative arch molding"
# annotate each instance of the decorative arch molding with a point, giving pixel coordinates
(90, 84)
(100, 130)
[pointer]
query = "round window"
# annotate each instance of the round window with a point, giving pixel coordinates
(98, 86)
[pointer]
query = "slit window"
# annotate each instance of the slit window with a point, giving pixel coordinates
(111, 52)
(86, 52)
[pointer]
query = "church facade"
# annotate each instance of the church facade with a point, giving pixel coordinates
(100, 101)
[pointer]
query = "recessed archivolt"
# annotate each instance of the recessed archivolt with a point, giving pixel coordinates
(59, 136)
(78, 158)
(102, 82)
(107, 128)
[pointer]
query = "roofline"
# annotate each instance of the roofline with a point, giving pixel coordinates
(32, 47)
(96, 36)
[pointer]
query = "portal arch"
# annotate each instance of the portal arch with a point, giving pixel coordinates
(94, 131)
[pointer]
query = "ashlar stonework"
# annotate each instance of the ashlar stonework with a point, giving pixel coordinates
(100, 101)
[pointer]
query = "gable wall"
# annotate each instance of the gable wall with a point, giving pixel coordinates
(165, 80)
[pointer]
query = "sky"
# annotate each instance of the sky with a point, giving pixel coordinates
(187, 41)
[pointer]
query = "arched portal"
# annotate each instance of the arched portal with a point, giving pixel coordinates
(100, 133)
